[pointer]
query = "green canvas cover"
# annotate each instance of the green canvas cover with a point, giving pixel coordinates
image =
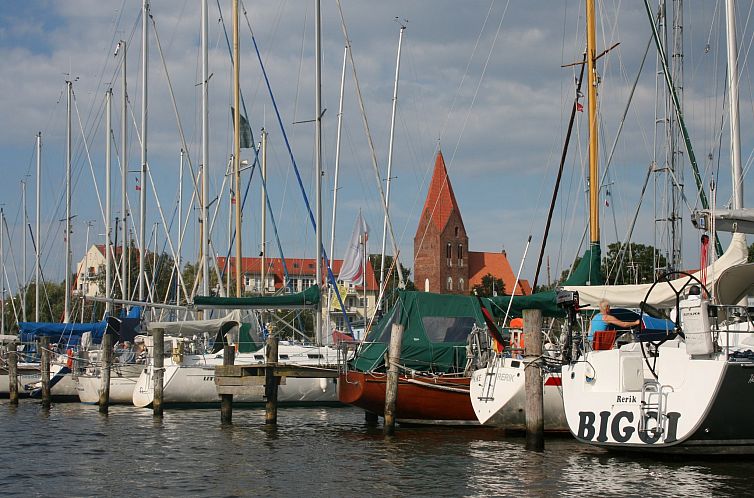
(436, 328)
(588, 272)
(309, 298)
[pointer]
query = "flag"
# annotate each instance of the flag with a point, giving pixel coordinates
(245, 133)
(138, 185)
(579, 107)
(353, 264)
(334, 304)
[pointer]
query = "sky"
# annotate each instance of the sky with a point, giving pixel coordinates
(483, 81)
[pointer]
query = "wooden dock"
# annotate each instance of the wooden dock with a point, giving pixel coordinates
(242, 379)
(236, 380)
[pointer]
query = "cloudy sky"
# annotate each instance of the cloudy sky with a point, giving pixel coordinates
(482, 80)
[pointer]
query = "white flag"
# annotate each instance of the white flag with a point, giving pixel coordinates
(353, 264)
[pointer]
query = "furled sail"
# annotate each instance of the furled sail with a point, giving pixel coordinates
(663, 295)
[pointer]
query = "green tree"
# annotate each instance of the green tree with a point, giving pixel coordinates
(52, 304)
(490, 286)
(751, 253)
(638, 264)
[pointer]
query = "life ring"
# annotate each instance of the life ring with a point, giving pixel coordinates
(69, 361)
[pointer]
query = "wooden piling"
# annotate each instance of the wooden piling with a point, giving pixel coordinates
(158, 364)
(391, 388)
(271, 383)
(226, 400)
(13, 373)
(44, 347)
(535, 426)
(107, 361)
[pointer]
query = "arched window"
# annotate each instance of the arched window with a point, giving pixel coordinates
(426, 285)
(460, 255)
(449, 254)
(449, 285)
(460, 284)
(456, 231)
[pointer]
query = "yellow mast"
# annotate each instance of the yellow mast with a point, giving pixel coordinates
(237, 143)
(594, 185)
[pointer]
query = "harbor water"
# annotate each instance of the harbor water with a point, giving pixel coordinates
(72, 450)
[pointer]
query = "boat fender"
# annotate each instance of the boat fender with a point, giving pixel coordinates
(69, 360)
(323, 384)
(589, 373)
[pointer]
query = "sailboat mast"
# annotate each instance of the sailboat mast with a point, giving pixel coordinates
(2, 272)
(37, 230)
(237, 143)
(336, 176)
(124, 293)
(318, 158)
(180, 228)
(390, 158)
(143, 173)
(205, 149)
(263, 148)
(67, 306)
(108, 214)
(594, 184)
(23, 252)
(735, 135)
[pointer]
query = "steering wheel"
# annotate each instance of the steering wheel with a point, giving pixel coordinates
(665, 278)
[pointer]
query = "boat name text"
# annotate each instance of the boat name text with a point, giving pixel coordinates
(619, 427)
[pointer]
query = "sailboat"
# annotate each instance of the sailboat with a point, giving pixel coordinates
(443, 337)
(685, 387)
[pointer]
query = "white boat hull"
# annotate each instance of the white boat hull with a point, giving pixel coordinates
(707, 404)
(123, 379)
(498, 396)
(192, 382)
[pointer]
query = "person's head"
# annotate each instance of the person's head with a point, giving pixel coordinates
(126, 345)
(694, 290)
(604, 306)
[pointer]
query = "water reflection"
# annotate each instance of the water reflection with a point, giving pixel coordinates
(330, 452)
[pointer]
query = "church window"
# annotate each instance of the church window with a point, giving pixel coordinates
(460, 255)
(456, 231)
(449, 285)
(426, 285)
(449, 254)
(460, 284)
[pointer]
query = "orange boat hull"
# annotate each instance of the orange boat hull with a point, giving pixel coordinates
(435, 400)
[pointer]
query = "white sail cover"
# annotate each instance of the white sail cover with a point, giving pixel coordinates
(663, 296)
(187, 328)
(353, 263)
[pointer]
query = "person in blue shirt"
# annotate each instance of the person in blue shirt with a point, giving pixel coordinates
(605, 321)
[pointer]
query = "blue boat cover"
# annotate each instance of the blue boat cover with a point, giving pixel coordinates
(67, 333)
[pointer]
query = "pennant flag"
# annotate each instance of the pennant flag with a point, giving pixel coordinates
(246, 140)
(138, 185)
(579, 107)
(353, 265)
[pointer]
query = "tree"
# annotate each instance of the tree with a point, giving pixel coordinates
(52, 304)
(637, 265)
(490, 286)
(392, 277)
(159, 271)
(751, 253)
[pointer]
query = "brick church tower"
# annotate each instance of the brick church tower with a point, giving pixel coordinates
(441, 246)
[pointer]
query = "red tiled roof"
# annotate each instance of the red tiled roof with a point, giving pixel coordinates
(101, 249)
(297, 267)
(441, 201)
(496, 264)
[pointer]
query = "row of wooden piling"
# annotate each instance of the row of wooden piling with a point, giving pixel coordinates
(533, 378)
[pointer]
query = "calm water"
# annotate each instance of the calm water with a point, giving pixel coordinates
(74, 451)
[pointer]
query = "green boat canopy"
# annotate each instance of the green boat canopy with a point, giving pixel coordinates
(309, 298)
(436, 329)
(588, 272)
